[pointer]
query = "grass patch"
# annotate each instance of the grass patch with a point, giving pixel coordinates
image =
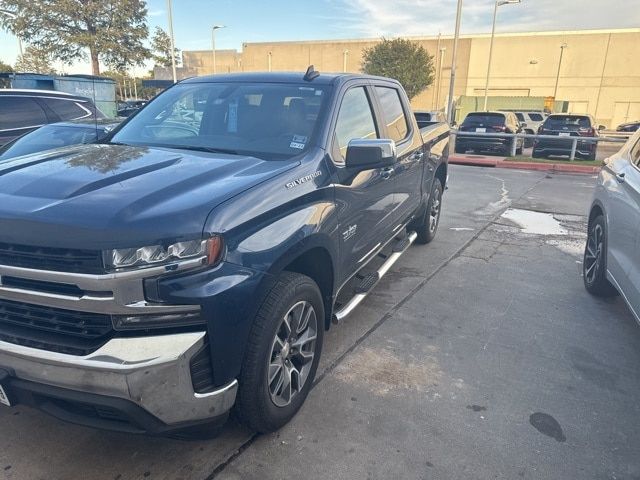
(586, 163)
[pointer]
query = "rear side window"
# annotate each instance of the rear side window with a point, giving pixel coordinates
(520, 117)
(536, 117)
(558, 121)
(393, 112)
(20, 112)
(67, 109)
(485, 119)
(355, 119)
(635, 154)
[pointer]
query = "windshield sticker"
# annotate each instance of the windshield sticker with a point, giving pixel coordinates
(298, 142)
(232, 123)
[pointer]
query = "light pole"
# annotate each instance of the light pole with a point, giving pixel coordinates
(213, 44)
(173, 46)
(454, 55)
(499, 3)
(13, 16)
(555, 90)
(439, 77)
(345, 55)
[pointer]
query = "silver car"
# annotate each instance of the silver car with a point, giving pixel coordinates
(612, 255)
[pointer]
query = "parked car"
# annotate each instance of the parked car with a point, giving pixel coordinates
(489, 122)
(611, 259)
(567, 125)
(127, 108)
(152, 281)
(22, 111)
(426, 118)
(629, 127)
(57, 135)
(530, 122)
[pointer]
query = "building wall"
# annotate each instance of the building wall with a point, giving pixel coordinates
(600, 71)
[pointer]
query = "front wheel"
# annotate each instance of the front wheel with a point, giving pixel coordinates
(594, 264)
(282, 354)
(428, 225)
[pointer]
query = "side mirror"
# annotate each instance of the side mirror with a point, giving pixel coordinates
(370, 153)
(601, 128)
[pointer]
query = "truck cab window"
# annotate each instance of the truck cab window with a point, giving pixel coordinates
(395, 118)
(355, 120)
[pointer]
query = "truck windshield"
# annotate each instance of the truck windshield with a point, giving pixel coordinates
(265, 120)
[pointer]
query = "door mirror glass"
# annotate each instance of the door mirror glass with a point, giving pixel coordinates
(370, 153)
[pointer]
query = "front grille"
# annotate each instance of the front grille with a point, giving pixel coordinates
(53, 329)
(46, 258)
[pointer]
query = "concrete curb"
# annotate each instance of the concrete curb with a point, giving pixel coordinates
(502, 162)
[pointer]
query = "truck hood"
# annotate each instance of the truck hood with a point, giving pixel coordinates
(107, 196)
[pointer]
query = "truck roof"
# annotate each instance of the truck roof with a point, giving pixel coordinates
(280, 77)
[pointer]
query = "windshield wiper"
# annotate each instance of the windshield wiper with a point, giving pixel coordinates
(196, 148)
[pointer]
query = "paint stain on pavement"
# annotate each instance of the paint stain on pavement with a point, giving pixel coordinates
(382, 372)
(476, 408)
(547, 425)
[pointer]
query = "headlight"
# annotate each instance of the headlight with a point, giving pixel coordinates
(124, 258)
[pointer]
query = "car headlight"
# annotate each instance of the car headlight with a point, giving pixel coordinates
(210, 250)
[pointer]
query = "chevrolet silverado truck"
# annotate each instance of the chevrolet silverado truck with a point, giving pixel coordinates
(190, 263)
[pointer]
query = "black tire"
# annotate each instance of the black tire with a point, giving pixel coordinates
(426, 229)
(537, 154)
(594, 262)
(460, 149)
(255, 406)
(592, 155)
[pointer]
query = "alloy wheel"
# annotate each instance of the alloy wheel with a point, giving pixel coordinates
(593, 253)
(292, 353)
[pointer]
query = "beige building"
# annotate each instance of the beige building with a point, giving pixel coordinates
(599, 73)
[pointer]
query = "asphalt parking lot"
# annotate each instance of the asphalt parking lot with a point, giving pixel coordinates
(478, 356)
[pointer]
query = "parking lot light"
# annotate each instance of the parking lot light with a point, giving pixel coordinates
(498, 3)
(213, 44)
(555, 90)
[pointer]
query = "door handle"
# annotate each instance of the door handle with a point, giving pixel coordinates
(386, 172)
(620, 177)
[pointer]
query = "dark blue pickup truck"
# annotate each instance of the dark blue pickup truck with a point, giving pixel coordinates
(191, 262)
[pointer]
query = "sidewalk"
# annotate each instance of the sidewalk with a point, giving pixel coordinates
(504, 162)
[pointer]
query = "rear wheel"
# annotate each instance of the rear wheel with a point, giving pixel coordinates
(282, 353)
(594, 265)
(428, 226)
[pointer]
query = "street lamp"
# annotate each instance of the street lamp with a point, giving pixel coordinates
(454, 55)
(499, 3)
(173, 47)
(439, 77)
(555, 90)
(213, 44)
(13, 16)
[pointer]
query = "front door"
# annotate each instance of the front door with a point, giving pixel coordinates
(632, 184)
(365, 198)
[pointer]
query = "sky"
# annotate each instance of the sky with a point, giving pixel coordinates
(284, 20)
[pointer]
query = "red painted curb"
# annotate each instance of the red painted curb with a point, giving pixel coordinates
(500, 162)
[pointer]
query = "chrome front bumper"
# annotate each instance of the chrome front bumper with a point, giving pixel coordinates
(152, 372)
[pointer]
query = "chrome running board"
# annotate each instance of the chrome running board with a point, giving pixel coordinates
(372, 280)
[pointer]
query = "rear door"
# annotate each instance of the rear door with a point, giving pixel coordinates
(19, 115)
(365, 198)
(409, 148)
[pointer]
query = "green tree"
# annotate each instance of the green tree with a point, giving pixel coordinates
(111, 31)
(406, 61)
(35, 60)
(161, 49)
(5, 68)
